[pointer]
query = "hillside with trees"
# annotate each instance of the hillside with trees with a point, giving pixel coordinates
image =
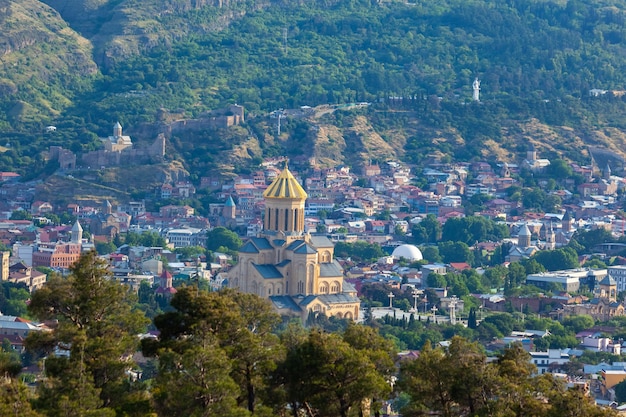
(415, 62)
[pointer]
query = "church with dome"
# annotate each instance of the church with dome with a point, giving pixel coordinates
(297, 272)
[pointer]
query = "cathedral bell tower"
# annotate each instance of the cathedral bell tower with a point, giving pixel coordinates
(117, 130)
(284, 206)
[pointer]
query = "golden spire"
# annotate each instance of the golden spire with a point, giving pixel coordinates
(285, 186)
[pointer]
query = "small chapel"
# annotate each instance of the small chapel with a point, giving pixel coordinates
(297, 272)
(118, 142)
(603, 306)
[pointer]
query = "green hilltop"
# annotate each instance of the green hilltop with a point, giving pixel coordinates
(82, 65)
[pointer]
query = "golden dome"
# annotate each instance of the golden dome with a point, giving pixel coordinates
(285, 186)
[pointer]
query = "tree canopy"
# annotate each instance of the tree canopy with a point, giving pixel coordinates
(221, 237)
(459, 381)
(86, 354)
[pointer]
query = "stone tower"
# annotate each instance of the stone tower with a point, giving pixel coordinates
(117, 130)
(4, 265)
(523, 237)
(77, 233)
(230, 209)
(566, 223)
(606, 174)
(550, 238)
(108, 208)
(284, 206)
(531, 153)
(607, 288)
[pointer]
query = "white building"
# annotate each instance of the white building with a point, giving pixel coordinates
(181, 238)
(315, 205)
(451, 201)
(431, 269)
(473, 189)
(618, 272)
(543, 360)
(24, 253)
(569, 280)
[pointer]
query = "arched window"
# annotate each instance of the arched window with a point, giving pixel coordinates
(324, 288)
(335, 288)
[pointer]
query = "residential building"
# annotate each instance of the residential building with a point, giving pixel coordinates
(432, 269)
(315, 205)
(618, 272)
(568, 280)
(549, 361)
(180, 238)
(56, 255)
(15, 329)
(20, 273)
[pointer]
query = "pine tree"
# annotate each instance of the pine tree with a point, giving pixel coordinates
(471, 319)
(239, 325)
(96, 329)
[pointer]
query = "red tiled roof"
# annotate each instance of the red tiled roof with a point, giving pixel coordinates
(460, 266)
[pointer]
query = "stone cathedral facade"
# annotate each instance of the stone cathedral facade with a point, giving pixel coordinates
(297, 272)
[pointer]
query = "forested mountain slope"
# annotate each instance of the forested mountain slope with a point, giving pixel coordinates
(43, 62)
(537, 62)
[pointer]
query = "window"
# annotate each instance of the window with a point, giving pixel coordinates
(276, 220)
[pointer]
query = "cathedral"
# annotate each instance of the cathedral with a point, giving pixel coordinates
(294, 270)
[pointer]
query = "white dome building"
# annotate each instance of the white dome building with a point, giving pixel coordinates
(408, 252)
